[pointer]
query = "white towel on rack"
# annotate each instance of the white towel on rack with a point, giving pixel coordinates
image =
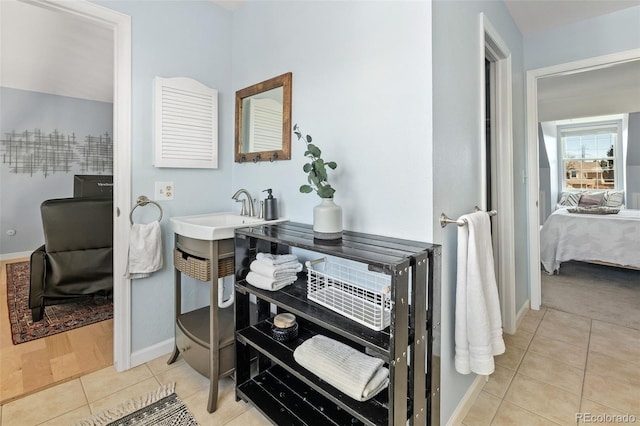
(276, 259)
(145, 250)
(276, 271)
(478, 323)
(271, 284)
(354, 373)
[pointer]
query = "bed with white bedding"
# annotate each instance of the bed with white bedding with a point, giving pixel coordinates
(608, 238)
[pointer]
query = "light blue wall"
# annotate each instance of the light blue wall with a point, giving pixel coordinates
(22, 194)
(361, 89)
(456, 151)
(615, 32)
(175, 39)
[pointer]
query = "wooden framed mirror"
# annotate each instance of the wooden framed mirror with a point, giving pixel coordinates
(263, 121)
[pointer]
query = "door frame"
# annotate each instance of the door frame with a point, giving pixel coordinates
(533, 162)
(496, 50)
(120, 24)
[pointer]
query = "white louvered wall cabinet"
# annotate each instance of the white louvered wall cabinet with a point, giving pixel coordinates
(185, 124)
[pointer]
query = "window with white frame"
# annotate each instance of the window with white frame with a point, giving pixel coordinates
(590, 155)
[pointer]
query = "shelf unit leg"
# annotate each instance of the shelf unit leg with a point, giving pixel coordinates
(177, 279)
(433, 335)
(243, 356)
(264, 312)
(399, 341)
(174, 355)
(214, 339)
(420, 340)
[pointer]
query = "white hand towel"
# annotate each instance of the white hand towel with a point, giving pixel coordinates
(145, 250)
(478, 323)
(276, 271)
(271, 284)
(354, 373)
(276, 259)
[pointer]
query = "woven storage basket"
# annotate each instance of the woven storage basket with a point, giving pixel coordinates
(199, 268)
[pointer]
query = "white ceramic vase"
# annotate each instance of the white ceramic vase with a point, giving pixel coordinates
(327, 220)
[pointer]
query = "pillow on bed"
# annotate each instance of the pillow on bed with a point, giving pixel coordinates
(593, 210)
(568, 199)
(590, 199)
(613, 198)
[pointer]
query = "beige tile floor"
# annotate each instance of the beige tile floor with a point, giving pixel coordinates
(558, 365)
(69, 402)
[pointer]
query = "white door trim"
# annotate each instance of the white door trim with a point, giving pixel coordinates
(121, 26)
(567, 68)
(490, 41)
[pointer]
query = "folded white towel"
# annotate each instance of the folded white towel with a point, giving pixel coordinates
(276, 259)
(354, 373)
(271, 284)
(145, 250)
(478, 323)
(276, 271)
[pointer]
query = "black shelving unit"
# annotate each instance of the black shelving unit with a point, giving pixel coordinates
(268, 377)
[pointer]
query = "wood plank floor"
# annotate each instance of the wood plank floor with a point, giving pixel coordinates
(32, 366)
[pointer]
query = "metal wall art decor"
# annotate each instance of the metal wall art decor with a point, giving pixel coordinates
(38, 152)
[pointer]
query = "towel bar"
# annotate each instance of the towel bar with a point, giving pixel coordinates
(445, 220)
(143, 200)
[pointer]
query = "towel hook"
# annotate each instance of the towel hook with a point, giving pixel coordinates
(143, 200)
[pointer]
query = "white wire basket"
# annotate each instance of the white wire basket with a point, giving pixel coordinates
(362, 296)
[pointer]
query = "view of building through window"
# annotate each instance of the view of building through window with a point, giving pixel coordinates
(589, 156)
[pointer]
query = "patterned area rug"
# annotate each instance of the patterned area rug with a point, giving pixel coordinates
(160, 408)
(57, 318)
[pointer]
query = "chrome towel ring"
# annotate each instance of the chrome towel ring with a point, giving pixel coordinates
(143, 200)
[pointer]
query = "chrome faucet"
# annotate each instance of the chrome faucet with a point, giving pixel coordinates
(243, 211)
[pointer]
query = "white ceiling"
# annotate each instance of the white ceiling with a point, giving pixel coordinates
(616, 79)
(50, 52)
(610, 90)
(534, 16)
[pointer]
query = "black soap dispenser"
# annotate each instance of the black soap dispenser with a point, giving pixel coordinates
(270, 206)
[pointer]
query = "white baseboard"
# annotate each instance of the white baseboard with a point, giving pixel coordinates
(152, 352)
(467, 401)
(522, 312)
(18, 255)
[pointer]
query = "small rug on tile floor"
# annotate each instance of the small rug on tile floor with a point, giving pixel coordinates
(57, 318)
(160, 408)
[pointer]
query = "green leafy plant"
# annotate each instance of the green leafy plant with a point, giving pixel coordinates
(316, 168)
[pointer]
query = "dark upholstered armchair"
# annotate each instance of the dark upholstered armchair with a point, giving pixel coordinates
(77, 256)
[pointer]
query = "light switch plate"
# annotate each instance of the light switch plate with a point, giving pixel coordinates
(164, 191)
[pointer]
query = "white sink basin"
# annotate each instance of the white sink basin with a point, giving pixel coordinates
(214, 226)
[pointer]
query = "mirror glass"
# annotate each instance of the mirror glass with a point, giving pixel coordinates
(263, 121)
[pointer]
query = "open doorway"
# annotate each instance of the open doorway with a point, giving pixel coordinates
(117, 26)
(534, 77)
